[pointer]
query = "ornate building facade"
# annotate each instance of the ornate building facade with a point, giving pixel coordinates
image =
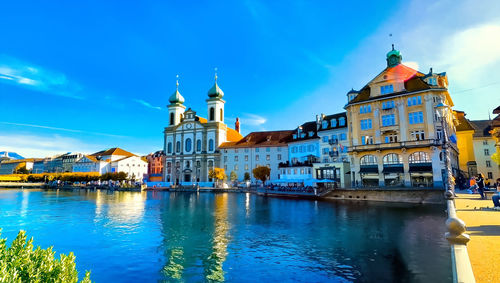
(395, 131)
(191, 142)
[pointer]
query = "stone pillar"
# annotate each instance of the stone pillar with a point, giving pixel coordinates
(381, 179)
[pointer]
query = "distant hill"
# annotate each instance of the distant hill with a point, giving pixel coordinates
(11, 155)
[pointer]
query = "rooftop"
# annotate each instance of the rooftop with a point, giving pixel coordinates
(113, 151)
(256, 139)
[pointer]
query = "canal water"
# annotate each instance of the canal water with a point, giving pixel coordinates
(196, 237)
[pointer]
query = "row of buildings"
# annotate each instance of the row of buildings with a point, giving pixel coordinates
(105, 161)
(391, 134)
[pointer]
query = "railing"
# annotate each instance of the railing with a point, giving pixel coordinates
(456, 236)
(407, 144)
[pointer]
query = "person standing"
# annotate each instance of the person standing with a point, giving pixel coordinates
(480, 185)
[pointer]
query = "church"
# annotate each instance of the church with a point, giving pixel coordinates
(191, 142)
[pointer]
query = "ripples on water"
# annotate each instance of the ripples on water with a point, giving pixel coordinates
(193, 237)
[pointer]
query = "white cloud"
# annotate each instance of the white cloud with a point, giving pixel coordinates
(252, 120)
(14, 71)
(43, 146)
(147, 104)
(61, 129)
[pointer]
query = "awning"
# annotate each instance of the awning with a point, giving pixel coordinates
(421, 167)
(368, 169)
(393, 169)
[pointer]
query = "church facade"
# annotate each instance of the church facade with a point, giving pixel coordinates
(191, 142)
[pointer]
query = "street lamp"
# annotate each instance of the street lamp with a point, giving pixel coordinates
(441, 113)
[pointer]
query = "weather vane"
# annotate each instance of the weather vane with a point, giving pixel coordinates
(215, 69)
(177, 82)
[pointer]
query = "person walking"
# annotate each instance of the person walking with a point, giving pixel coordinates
(480, 185)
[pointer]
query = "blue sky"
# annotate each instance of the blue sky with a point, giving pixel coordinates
(88, 75)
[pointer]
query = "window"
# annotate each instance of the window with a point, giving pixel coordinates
(391, 138)
(432, 81)
(212, 114)
(302, 171)
(388, 120)
(198, 145)
(325, 139)
(439, 134)
(385, 89)
(486, 152)
(178, 146)
(334, 122)
(246, 157)
(246, 166)
(268, 165)
(334, 138)
(490, 175)
(236, 150)
(325, 160)
(324, 124)
(310, 148)
(221, 115)
(236, 158)
(268, 149)
(256, 158)
(341, 121)
(311, 133)
(485, 142)
(365, 109)
(392, 158)
(257, 150)
(416, 100)
(225, 158)
(188, 145)
(416, 117)
(417, 135)
(236, 167)
(368, 160)
(488, 163)
(419, 157)
(225, 167)
(169, 147)
(268, 157)
(366, 124)
(211, 145)
(388, 104)
(279, 156)
(279, 148)
(325, 150)
(172, 118)
(366, 140)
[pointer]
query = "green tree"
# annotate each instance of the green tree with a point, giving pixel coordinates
(22, 170)
(247, 176)
(233, 176)
(262, 173)
(20, 263)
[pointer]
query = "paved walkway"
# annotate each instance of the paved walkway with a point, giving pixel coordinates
(483, 226)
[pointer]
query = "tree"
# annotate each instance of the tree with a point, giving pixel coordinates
(262, 173)
(233, 176)
(22, 170)
(20, 263)
(217, 174)
(247, 176)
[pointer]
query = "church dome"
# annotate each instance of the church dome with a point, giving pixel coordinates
(176, 97)
(215, 91)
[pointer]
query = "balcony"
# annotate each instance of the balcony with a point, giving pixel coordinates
(333, 153)
(333, 142)
(396, 145)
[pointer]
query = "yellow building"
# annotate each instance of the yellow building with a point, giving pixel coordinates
(395, 130)
(465, 142)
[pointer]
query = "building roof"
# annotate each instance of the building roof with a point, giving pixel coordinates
(329, 118)
(113, 151)
(233, 135)
(497, 110)
(257, 139)
(463, 123)
(482, 128)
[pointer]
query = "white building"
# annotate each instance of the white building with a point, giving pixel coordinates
(256, 149)
(113, 160)
(191, 142)
(484, 147)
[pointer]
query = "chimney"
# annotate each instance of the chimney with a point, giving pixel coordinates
(237, 125)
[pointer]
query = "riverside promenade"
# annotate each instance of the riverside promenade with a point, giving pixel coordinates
(483, 226)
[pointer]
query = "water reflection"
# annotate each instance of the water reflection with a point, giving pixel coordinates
(119, 207)
(213, 264)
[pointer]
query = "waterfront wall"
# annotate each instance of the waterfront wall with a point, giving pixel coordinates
(21, 185)
(400, 195)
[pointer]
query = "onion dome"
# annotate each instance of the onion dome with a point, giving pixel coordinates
(176, 97)
(215, 91)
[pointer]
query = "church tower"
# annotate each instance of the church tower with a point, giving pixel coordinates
(215, 103)
(176, 107)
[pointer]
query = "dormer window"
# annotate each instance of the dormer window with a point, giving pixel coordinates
(432, 81)
(294, 136)
(334, 123)
(385, 89)
(311, 133)
(324, 124)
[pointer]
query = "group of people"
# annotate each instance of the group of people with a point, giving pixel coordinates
(478, 184)
(291, 188)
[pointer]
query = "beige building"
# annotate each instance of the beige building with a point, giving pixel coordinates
(395, 131)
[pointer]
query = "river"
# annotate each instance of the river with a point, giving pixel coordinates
(233, 237)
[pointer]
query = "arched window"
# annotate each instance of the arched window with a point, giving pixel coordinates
(210, 164)
(419, 157)
(198, 145)
(392, 158)
(368, 160)
(169, 167)
(172, 118)
(178, 146)
(334, 123)
(169, 147)
(188, 145)
(221, 115)
(211, 145)
(180, 117)
(212, 113)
